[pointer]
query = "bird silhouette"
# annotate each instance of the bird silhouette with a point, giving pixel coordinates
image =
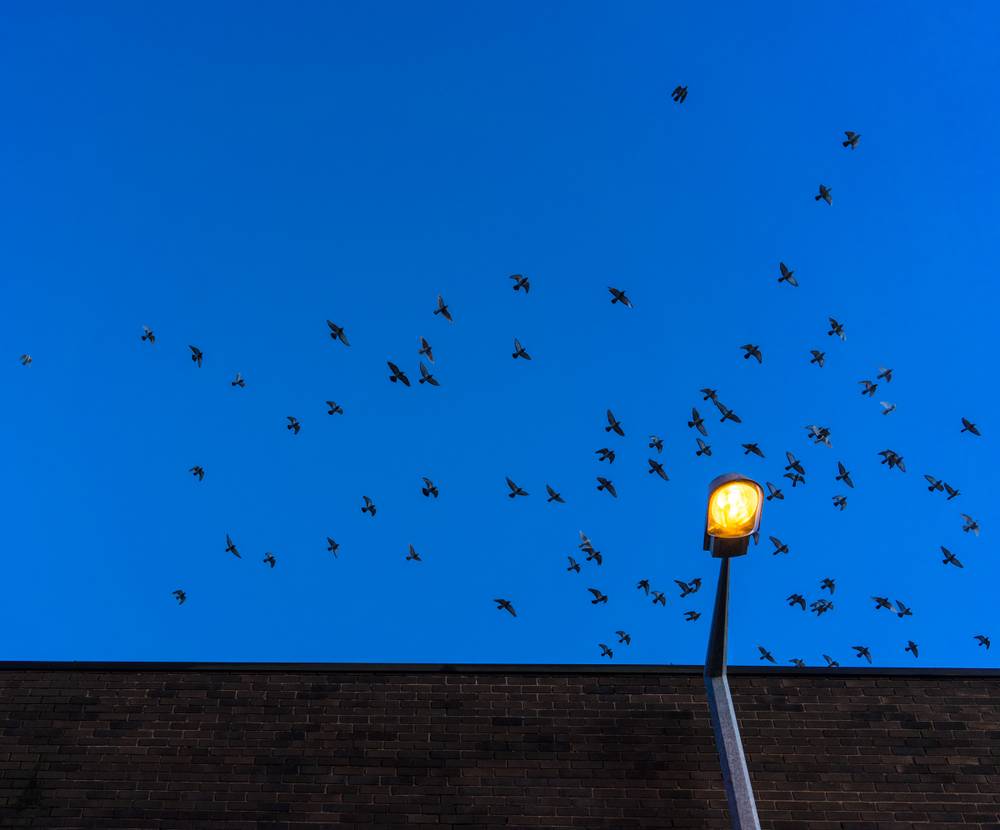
(818, 357)
(238, 381)
(618, 296)
(893, 459)
(821, 606)
(968, 426)
(269, 559)
(828, 584)
(198, 471)
(679, 94)
(598, 596)
(656, 467)
(852, 139)
(840, 502)
(779, 546)
(521, 281)
(337, 332)
(887, 407)
(752, 448)
(26, 360)
(983, 640)
(504, 605)
(903, 610)
(196, 355)
(691, 616)
(950, 558)
(515, 490)
(787, 275)
(643, 585)
(836, 329)
(368, 506)
(553, 495)
(766, 655)
(397, 374)
(688, 587)
(594, 556)
(697, 422)
(332, 546)
(231, 547)
(753, 351)
(425, 350)
(147, 334)
(573, 565)
(935, 483)
(426, 376)
(824, 194)
(911, 647)
(773, 492)
(334, 408)
(727, 413)
(293, 424)
(605, 455)
(951, 491)
(796, 599)
(843, 475)
(519, 350)
(606, 652)
(863, 652)
(798, 662)
(884, 374)
(830, 662)
(585, 543)
(413, 556)
(703, 448)
(869, 388)
(794, 463)
(796, 479)
(659, 598)
(442, 309)
(614, 425)
(181, 596)
(624, 637)
(710, 394)
(971, 525)
(605, 484)
(656, 443)
(429, 488)
(882, 602)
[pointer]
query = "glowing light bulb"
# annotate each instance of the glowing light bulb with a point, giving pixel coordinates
(733, 509)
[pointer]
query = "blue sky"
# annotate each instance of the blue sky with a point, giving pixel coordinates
(233, 175)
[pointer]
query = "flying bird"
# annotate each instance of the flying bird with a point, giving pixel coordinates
(903, 610)
(828, 584)
(884, 374)
(614, 424)
(553, 495)
(796, 599)
(429, 488)
(727, 413)
(798, 662)
(697, 422)
(425, 350)
(413, 555)
(830, 662)
(882, 602)
(752, 351)
(951, 491)
(26, 360)
(606, 652)
(796, 479)
(779, 546)
(970, 524)
(679, 94)
(598, 597)
(594, 556)
(710, 394)
(887, 407)
(821, 606)
(504, 605)
(332, 546)
(691, 616)
(605, 484)
(840, 502)
(515, 490)
(950, 558)
(824, 194)
(425, 376)
(752, 448)
(852, 139)
(198, 471)
(231, 547)
(521, 281)
(703, 448)
(844, 475)
(893, 459)
(869, 389)
(968, 426)
(935, 483)
(368, 507)
(794, 463)
(688, 587)
(618, 296)
(863, 652)
(293, 424)
(643, 585)
(983, 640)
(337, 332)
(818, 357)
(787, 275)
(585, 543)
(766, 655)
(911, 647)
(269, 559)
(519, 351)
(397, 374)
(334, 408)
(147, 334)
(181, 596)
(656, 443)
(605, 455)
(573, 565)
(624, 637)
(658, 597)
(836, 329)
(773, 492)
(196, 355)
(442, 309)
(238, 381)
(656, 467)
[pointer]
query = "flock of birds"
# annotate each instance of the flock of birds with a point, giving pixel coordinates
(794, 470)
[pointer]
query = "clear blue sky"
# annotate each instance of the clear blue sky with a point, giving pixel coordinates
(232, 175)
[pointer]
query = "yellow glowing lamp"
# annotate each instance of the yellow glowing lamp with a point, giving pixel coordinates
(733, 516)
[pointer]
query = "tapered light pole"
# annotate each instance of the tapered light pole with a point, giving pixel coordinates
(733, 517)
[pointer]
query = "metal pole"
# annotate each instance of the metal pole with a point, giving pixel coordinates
(735, 777)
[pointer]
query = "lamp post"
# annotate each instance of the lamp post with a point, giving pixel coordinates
(732, 518)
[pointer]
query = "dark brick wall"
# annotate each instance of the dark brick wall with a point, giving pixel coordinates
(287, 748)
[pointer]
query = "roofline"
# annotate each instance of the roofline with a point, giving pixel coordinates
(480, 668)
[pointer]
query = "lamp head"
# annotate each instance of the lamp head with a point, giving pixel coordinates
(733, 514)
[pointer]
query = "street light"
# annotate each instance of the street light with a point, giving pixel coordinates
(731, 519)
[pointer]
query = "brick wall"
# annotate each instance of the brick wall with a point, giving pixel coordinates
(285, 747)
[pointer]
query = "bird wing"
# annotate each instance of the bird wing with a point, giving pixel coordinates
(595, 592)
